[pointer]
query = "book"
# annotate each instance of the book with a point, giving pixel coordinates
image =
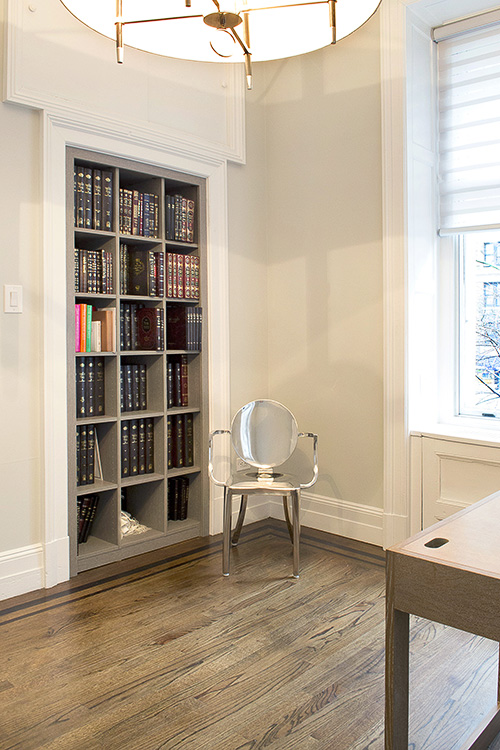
(147, 328)
(150, 445)
(184, 327)
(97, 198)
(125, 449)
(107, 200)
(107, 318)
(134, 446)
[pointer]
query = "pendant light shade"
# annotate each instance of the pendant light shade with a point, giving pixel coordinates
(225, 31)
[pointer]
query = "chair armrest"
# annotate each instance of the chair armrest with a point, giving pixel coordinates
(210, 453)
(315, 458)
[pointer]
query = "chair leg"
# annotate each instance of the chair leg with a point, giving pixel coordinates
(296, 531)
(239, 522)
(226, 530)
(287, 517)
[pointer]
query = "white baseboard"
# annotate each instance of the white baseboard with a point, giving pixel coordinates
(353, 520)
(21, 570)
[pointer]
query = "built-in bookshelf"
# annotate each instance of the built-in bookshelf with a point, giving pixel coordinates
(137, 384)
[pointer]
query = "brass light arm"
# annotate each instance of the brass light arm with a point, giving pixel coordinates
(333, 19)
(248, 58)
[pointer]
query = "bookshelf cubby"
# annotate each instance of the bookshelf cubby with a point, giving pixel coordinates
(136, 271)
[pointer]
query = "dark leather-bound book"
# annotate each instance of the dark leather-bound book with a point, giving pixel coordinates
(90, 519)
(143, 389)
(170, 444)
(80, 196)
(177, 383)
(152, 279)
(128, 388)
(177, 327)
(190, 221)
(77, 270)
(122, 387)
(134, 307)
(78, 463)
(136, 404)
(87, 197)
(178, 438)
(173, 498)
(184, 498)
(160, 337)
(138, 282)
(97, 198)
(83, 455)
(160, 274)
(147, 328)
(90, 386)
(99, 386)
(91, 436)
(142, 446)
(170, 384)
(134, 447)
(188, 440)
(80, 387)
(184, 399)
(150, 445)
(107, 200)
(125, 449)
(85, 510)
(127, 327)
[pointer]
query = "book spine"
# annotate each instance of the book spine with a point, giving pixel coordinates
(88, 328)
(188, 440)
(77, 270)
(77, 328)
(83, 328)
(91, 515)
(136, 404)
(177, 383)
(128, 388)
(184, 401)
(83, 454)
(134, 447)
(89, 386)
(143, 387)
(80, 197)
(170, 274)
(99, 387)
(170, 444)
(150, 447)
(180, 276)
(178, 435)
(184, 498)
(78, 460)
(81, 410)
(125, 449)
(195, 277)
(170, 384)
(160, 270)
(90, 453)
(107, 200)
(85, 508)
(87, 205)
(97, 195)
(190, 220)
(142, 446)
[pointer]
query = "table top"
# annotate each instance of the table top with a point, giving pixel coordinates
(469, 539)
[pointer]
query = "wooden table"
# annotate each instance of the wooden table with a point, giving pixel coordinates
(448, 573)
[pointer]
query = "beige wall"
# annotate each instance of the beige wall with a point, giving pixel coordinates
(20, 334)
(324, 220)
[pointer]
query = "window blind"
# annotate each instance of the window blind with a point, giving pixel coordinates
(469, 131)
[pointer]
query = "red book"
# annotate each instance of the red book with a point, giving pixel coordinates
(147, 328)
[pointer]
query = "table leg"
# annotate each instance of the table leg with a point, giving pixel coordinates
(396, 673)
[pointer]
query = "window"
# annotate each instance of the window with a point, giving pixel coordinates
(469, 171)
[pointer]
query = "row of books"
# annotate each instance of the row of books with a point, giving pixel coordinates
(179, 218)
(183, 276)
(178, 497)
(184, 327)
(93, 271)
(89, 387)
(95, 329)
(87, 455)
(133, 387)
(139, 213)
(177, 381)
(142, 272)
(86, 510)
(93, 198)
(137, 447)
(180, 441)
(141, 328)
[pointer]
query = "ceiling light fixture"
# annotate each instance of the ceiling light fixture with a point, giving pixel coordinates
(240, 30)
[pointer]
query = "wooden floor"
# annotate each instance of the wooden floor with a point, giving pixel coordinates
(163, 652)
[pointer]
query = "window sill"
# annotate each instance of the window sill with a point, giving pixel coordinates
(462, 433)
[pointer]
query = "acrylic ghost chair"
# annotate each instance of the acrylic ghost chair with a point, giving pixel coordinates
(264, 435)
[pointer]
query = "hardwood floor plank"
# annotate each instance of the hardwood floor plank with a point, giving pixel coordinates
(163, 652)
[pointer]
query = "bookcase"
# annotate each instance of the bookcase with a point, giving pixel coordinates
(137, 373)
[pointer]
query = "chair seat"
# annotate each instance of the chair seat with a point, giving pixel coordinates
(248, 481)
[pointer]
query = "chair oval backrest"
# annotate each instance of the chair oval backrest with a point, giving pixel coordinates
(264, 433)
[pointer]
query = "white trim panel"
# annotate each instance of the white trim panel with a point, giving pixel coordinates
(21, 570)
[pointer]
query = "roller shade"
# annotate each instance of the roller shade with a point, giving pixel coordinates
(469, 131)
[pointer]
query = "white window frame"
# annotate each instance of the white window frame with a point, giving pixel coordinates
(405, 31)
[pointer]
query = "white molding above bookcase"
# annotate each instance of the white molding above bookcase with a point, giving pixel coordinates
(60, 131)
(216, 106)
